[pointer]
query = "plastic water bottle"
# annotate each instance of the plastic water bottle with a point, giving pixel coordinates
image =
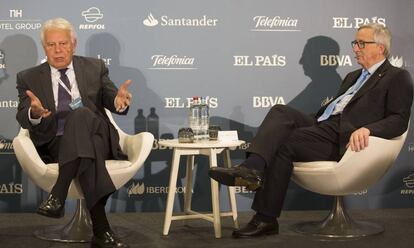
(204, 119)
(194, 117)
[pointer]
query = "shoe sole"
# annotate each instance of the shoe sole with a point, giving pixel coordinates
(234, 181)
(272, 232)
(47, 214)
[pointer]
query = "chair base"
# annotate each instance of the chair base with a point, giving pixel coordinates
(357, 229)
(338, 225)
(78, 230)
(63, 234)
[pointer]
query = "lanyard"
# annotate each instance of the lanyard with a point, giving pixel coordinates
(65, 87)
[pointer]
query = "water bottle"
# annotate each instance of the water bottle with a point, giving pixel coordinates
(194, 117)
(140, 122)
(204, 119)
(153, 123)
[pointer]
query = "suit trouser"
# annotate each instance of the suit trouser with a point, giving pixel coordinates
(81, 152)
(287, 135)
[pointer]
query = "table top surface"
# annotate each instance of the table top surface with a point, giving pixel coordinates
(201, 144)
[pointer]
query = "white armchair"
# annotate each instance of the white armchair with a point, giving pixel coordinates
(355, 172)
(137, 147)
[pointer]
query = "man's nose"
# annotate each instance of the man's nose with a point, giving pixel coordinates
(58, 48)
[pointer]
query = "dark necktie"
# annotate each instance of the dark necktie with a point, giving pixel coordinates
(64, 98)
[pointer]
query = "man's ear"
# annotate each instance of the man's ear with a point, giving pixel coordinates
(75, 42)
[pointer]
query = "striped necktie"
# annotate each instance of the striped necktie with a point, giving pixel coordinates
(64, 98)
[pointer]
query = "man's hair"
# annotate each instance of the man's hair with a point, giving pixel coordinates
(58, 24)
(382, 35)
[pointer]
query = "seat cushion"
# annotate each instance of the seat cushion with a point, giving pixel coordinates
(111, 165)
(315, 164)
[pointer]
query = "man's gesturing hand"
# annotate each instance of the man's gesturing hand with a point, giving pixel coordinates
(36, 108)
(123, 98)
(359, 139)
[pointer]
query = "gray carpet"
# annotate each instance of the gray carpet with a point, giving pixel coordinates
(146, 231)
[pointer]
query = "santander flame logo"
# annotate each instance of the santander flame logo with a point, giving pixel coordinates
(150, 21)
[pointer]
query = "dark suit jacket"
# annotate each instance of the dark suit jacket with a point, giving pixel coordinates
(96, 89)
(383, 104)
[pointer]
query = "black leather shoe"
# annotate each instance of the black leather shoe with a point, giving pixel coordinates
(108, 240)
(237, 176)
(52, 207)
(257, 228)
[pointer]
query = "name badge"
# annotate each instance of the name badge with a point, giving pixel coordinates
(76, 103)
(227, 136)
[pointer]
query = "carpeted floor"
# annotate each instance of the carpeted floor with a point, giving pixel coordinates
(16, 230)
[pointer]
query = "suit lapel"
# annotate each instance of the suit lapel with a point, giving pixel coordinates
(80, 77)
(349, 81)
(46, 86)
(352, 78)
(372, 81)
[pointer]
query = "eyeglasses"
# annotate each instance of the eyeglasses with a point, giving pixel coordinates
(361, 44)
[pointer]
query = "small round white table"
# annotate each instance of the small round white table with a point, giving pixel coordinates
(210, 149)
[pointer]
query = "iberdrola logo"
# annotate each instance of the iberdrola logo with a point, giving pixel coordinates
(136, 189)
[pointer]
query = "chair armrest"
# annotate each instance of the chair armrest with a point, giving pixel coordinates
(138, 146)
(28, 157)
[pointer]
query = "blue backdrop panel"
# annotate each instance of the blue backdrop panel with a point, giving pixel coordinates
(244, 56)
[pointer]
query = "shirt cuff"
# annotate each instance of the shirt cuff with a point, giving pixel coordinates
(32, 120)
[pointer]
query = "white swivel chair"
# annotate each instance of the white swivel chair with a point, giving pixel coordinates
(137, 147)
(355, 172)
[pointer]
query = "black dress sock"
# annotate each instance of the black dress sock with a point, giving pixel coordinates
(100, 223)
(254, 162)
(66, 173)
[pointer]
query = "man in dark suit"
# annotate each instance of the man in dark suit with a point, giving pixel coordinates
(61, 103)
(372, 101)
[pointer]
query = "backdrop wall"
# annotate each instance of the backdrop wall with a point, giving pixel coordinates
(244, 56)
